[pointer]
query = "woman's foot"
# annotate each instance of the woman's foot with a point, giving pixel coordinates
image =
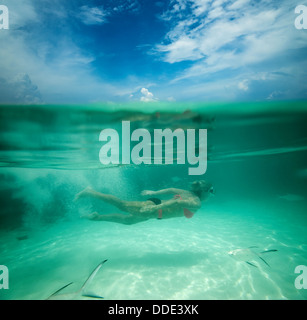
(85, 192)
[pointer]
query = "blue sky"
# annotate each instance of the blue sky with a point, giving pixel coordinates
(61, 51)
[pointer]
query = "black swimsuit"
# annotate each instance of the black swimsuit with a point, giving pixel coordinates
(156, 201)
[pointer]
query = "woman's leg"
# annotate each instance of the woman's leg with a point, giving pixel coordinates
(108, 198)
(115, 217)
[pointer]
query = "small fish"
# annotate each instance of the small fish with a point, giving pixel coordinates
(82, 292)
(247, 255)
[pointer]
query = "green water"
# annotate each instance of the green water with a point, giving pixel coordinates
(256, 161)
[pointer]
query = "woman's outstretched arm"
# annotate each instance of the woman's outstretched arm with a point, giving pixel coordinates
(162, 191)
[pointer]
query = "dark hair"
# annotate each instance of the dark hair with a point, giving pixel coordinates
(201, 189)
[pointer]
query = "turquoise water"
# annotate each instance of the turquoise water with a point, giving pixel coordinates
(256, 161)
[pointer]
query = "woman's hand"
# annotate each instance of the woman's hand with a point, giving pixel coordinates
(147, 193)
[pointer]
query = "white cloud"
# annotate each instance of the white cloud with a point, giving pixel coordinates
(92, 15)
(132, 6)
(147, 96)
(243, 85)
(237, 4)
(275, 95)
(182, 49)
(200, 6)
(223, 35)
(19, 89)
(171, 99)
(66, 75)
(19, 14)
(61, 69)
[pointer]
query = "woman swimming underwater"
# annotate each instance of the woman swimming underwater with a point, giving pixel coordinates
(183, 203)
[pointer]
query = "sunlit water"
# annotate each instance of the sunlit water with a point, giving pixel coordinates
(256, 161)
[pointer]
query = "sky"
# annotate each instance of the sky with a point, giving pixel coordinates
(90, 51)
